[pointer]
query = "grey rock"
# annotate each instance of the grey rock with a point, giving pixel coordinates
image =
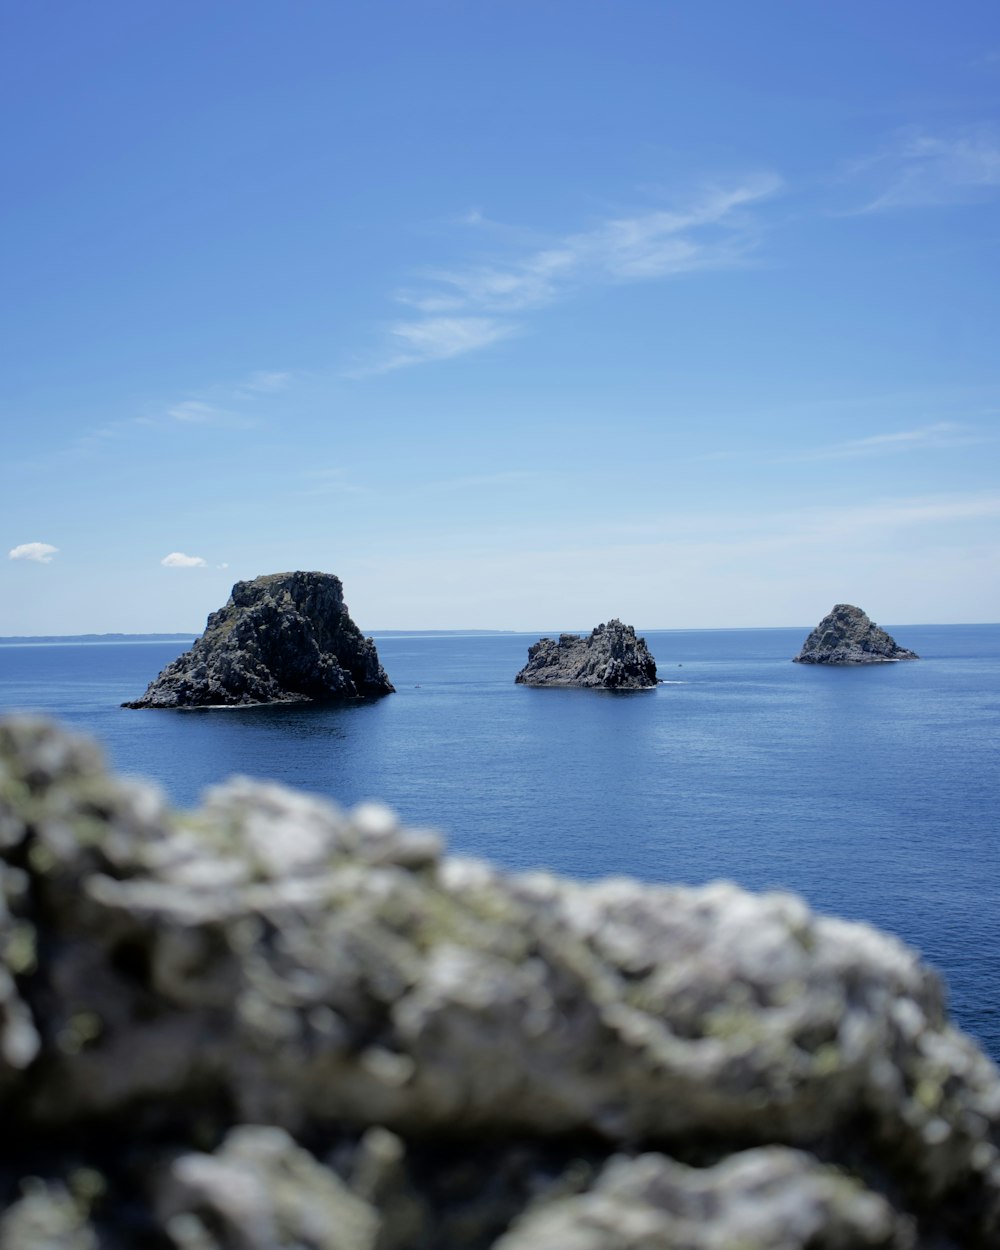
(283, 638)
(847, 636)
(261, 1190)
(771, 1198)
(273, 1023)
(611, 657)
(47, 1217)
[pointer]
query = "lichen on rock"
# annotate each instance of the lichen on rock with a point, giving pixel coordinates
(846, 636)
(283, 638)
(611, 657)
(274, 1023)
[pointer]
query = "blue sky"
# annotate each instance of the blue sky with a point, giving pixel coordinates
(513, 313)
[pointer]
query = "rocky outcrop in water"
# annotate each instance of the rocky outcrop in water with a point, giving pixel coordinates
(847, 636)
(610, 658)
(284, 638)
(271, 1023)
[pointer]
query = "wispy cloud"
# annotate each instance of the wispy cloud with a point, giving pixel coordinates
(736, 533)
(197, 412)
(905, 512)
(834, 522)
(178, 560)
(264, 383)
(440, 338)
(226, 404)
(40, 553)
(928, 437)
(782, 565)
(467, 308)
(331, 481)
(501, 479)
(919, 169)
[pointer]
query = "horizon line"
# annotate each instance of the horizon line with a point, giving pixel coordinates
(111, 636)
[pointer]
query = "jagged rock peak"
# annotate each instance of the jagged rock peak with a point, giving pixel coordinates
(847, 636)
(611, 658)
(274, 1023)
(281, 638)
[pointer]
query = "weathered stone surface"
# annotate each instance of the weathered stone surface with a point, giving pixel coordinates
(271, 1023)
(847, 636)
(610, 658)
(284, 638)
(769, 1197)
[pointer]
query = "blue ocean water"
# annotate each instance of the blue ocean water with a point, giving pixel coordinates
(871, 791)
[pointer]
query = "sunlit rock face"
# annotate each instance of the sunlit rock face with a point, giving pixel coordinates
(847, 636)
(283, 638)
(271, 1023)
(611, 657)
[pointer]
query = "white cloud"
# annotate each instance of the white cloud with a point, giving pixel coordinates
(711, 233)
(178, 560)
(924, 170)
(41, 553)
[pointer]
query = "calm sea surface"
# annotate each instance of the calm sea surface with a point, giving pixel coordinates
(873, 792)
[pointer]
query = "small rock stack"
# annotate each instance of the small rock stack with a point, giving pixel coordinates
(611, 658)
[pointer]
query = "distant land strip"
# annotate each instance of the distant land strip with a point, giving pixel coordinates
(15, 640)
(20, 639)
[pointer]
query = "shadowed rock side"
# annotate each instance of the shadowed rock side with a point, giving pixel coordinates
(270, 1023)
(611, 658)
(284, 638)
(847, 636)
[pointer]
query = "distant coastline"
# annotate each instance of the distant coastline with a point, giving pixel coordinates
(40, 640)
(22, 640)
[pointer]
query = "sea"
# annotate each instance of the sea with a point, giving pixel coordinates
(872, 792)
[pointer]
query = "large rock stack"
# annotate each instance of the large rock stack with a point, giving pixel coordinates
(283, 638)
(847, 636)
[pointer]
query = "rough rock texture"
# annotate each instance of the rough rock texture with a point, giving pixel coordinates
(269, 1023)
(611, 658)
(847, 636)
(284, 638)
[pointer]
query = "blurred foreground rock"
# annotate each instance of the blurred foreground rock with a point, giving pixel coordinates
(269, 1023)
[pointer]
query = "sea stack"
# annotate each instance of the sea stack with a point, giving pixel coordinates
(283, 638)
(847, 636)
(611, 658)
